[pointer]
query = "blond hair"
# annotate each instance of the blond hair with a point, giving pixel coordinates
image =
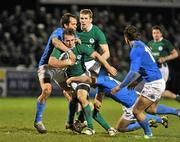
(87, 12)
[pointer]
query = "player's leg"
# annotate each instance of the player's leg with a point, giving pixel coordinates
(126, 121)
(170, 95)
(72, 108)
(82, 95)
(138, 111)
(46, 89)
(99, 118)
(162, 109)
(150, 94)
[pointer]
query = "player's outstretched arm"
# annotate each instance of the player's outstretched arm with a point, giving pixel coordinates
(103, 61)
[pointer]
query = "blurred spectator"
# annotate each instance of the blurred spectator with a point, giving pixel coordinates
(24, 32)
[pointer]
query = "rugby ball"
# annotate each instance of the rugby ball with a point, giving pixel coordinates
(64, 56)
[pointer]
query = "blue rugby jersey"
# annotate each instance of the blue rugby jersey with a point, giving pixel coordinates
(125, 96)
(142, 62)
(58, 33)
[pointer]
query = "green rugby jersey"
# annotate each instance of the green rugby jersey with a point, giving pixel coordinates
(92, 39)
(80, 52)
(160, 49)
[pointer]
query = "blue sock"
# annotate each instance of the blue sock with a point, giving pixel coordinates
(39, 111)
(162, 109)
(145, 125)
(133, 126)
(72, 107)
(157, 118)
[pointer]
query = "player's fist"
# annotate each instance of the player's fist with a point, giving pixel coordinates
(112, 71)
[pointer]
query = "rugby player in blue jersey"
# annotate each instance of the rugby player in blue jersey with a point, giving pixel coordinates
(45, 73)
(142, 62)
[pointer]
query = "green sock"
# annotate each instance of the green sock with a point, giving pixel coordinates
(88, 116)
(98, 117)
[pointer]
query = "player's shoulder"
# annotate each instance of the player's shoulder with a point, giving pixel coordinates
(139, 44)
(95, 27)
(58, 30)
(150, 42)
(165, 41)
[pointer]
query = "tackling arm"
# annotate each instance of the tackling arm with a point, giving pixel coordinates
(60, 45)
(109, 68)
(84, 79)
(105, 49)
(54, 62)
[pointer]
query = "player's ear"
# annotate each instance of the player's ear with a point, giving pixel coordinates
(91, 20)
(65, 26)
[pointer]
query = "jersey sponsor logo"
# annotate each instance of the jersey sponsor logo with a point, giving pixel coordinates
(160, 48)
(91, 40)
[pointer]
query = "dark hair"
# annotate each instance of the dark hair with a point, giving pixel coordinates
(156, 27)
(68, 31)
(132, 33)
(65, 19)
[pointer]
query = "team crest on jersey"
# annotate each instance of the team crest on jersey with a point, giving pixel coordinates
(79, 57)
(91, 40)
(160, 48)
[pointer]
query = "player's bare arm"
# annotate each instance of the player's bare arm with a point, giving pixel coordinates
(105, 49)
(54, 62)
(103, 61)
(173, 55)
(59, 44)
(84, 79)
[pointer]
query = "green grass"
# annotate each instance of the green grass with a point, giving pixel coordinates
(17, 116)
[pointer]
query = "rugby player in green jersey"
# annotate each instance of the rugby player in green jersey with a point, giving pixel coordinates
(78, 69)
(93, 37)
(163, 51)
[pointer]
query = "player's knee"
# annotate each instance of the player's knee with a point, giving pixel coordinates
(122, 130)
(46, 90)
(151, 110)
(135, 112)
(82, 97)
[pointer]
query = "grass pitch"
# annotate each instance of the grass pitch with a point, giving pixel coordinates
(17, 116)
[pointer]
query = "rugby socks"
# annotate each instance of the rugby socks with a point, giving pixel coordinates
(72, 106)
(88, 116)
(155, 117)
(98, 117)
(39, 111)
(136, 125)
(80, 115)
(162, 109)
(145, 125)
(133, 126)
